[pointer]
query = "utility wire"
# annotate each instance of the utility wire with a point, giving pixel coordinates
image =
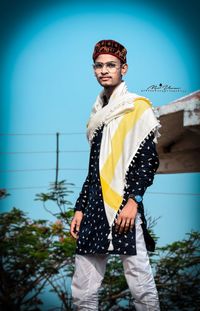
(41, 134)
(174, 193)
(42, 169)
(79, 187)
(37, 187)
(40, 152)
(57, 169)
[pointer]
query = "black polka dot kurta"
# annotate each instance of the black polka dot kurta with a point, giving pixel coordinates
(94, 229)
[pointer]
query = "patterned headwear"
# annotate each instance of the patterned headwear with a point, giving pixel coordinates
(110, 47)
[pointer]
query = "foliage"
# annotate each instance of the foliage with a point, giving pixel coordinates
(3, 194)
(178, 274)
(115, 294)
(35, 254)
(58, 193)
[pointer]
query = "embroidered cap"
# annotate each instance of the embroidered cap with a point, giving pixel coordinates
(110, 47)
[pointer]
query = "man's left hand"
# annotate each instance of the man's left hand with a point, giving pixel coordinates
(126, 218)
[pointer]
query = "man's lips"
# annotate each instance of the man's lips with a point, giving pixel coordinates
(105, 78)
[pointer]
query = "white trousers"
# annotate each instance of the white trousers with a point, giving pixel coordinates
(90, 270)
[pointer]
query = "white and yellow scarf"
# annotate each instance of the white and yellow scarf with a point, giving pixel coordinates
(128, 119)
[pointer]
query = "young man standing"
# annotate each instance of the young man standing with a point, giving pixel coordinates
(109, 215)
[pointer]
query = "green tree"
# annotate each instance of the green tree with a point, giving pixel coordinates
(114, 290)
(115, 294)
(62, 210)
(34, 253)
(178, 274)
(37, 253)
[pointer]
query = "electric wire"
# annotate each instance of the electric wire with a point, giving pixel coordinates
(79, 187)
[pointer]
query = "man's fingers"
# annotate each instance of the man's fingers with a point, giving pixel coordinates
(118, 222)
(132, 223)
(72, 228)
(127, 225)
(77, 225)
(122, 225)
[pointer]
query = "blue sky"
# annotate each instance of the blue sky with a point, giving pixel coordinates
(47, 86)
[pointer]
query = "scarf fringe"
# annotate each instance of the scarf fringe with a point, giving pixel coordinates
(120, 103)
(111, 247)
(157, 134)
(90, 135)
(110, 109)
(94, 132)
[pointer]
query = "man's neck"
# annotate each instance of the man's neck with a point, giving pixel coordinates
(109, 90)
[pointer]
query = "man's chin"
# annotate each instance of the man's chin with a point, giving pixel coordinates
(105, 83)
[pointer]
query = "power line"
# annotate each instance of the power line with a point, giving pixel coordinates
(43, 152)
(42, 169)
(41, 134)
(174, 193)
(36, 187)
(80, 187)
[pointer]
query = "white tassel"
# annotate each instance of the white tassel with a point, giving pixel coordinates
(110, 248)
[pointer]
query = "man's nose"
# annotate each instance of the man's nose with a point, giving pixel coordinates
(104, 69)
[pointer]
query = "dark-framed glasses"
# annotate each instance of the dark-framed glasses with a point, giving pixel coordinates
(111, 67)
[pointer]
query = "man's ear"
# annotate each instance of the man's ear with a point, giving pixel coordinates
(124, 69)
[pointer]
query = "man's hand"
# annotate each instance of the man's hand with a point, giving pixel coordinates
(126, 218)
(75, 224)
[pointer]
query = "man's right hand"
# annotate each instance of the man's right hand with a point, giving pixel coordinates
(75, 224)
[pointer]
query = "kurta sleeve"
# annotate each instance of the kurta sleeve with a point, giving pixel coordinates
(83, 196)
(81, 202)
(142, 168)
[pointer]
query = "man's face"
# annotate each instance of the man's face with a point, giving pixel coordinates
(109, 70)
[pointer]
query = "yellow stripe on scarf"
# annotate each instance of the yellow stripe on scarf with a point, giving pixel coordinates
(111, 197)
(128, 122)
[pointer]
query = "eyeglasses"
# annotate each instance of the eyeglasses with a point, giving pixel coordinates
(111, 67)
